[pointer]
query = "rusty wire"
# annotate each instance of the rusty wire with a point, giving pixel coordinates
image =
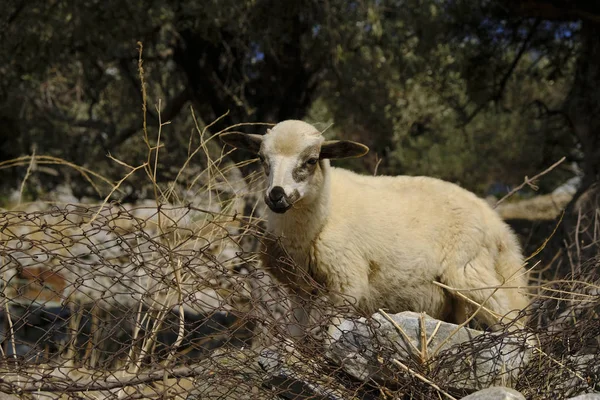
(127, 302)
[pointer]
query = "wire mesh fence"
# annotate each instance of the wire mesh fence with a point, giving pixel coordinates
(122, 291)
(157, 300)
(171, 302)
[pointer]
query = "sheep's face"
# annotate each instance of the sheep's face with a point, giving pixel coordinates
(293, 154)
(292, 165)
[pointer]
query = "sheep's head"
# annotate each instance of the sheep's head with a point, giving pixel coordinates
(294, 155)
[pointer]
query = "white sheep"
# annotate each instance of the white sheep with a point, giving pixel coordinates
(382, 241)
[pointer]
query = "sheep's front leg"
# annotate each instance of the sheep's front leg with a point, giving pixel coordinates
(314, 317)
(299, 316)
(325, 318)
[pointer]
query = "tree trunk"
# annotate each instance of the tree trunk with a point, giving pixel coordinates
(583, 102)
(579, 226)
(284, 88)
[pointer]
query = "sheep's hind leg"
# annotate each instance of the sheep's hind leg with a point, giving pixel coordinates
(477, 284)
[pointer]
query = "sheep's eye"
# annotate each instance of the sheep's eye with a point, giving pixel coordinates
(312, 161)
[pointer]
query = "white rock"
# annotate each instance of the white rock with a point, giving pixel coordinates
(368, 350)
(495, 393)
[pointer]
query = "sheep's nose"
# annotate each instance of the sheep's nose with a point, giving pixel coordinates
(276, 194)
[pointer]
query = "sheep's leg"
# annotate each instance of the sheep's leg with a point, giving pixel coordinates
(482, 285)
(299, 316)
(317, 317)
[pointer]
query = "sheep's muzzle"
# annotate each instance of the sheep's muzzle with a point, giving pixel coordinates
(277, 200)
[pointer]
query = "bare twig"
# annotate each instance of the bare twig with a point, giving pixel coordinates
(27, 173)
(400, 330)
(50, 160)
(379, 160)
(43, 383)
(529, 181)
(423, 379)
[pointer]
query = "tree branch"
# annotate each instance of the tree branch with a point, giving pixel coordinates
(557, 10)
(11, 18)
(518, 57)
(45, 383)
(500, 91)
(548, 112)
(168, 113)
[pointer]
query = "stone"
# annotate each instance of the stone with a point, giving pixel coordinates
(376, 348)
(7, 396)
(587, 396)
(291, 378)
(495, 393)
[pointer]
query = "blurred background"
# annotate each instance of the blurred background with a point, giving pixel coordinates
(477, 92)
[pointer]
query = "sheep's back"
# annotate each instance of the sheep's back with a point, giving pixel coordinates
(406, 230)
(419, 210)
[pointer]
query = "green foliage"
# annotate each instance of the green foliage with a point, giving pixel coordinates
(442, 88)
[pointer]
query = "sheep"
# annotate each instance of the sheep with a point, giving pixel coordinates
(399, 243)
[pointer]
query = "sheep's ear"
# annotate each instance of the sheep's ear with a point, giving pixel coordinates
(244, 141)
(335, 149)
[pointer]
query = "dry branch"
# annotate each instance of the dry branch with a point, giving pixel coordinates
(529, 181)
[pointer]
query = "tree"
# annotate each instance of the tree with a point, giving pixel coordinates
(254, 61)
(469, 92)
(582, 105)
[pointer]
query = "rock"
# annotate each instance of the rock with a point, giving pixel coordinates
(230, 375)
(569, 187)
(541, 207)
(587, 396)
(290, 378)
(578, 375)
(372, 349)
(495, 393)
(6, 396)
